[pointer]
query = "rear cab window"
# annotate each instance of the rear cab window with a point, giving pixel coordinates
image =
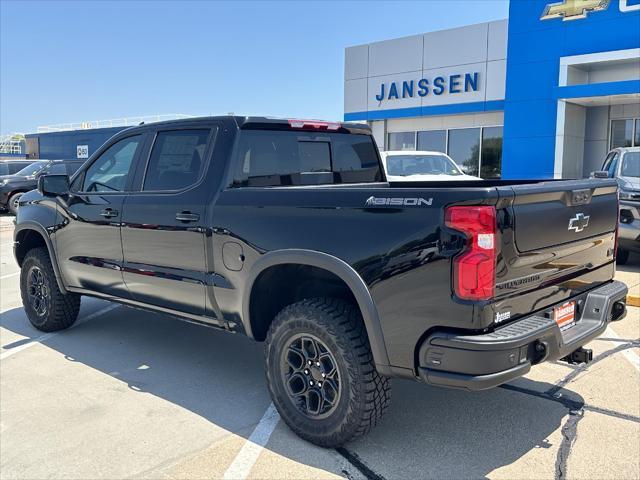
(287, 158)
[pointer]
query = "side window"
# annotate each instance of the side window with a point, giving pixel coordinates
(4, 168)
(177, 159)
(607, 161)
(55, 169)
(109, 172)
(613, 166)
(16, 167)
(72, 167)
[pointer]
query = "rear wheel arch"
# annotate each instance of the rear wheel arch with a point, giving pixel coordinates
(334, 274)
(31, 235)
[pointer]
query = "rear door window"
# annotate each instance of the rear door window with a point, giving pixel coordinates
(177, 160)
(280, 158)
(16, 167)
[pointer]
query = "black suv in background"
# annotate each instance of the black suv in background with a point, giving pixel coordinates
(13, 186)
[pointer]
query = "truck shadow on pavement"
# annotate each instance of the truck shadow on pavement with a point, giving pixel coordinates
(427, 432)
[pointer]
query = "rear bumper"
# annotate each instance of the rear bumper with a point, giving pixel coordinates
(479, 362)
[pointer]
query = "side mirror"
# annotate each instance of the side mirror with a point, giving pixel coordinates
(53, 185)
(600, 174)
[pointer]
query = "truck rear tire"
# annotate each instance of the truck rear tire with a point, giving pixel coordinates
(321, 373)
(47, 308)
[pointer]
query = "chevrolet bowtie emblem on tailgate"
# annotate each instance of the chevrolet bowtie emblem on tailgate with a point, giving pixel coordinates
(579, 222)
(573, 9)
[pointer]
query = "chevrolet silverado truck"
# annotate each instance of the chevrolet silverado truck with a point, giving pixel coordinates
(288, 232)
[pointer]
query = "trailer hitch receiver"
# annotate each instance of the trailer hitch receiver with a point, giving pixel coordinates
(581, 355)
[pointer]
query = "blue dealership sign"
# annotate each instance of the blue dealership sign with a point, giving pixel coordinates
(458, 83)
(541, 34)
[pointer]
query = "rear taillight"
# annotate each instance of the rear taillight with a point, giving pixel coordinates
(314, 124)
(474, 270)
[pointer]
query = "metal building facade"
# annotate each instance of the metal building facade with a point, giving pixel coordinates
(68, 145)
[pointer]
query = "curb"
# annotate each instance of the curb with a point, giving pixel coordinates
(633, 300)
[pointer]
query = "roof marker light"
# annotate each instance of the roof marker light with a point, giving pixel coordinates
(294, 123)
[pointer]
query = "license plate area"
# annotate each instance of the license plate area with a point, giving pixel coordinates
(565, 315)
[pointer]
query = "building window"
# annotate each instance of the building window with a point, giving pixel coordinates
(478, 151)
(637, 136)
(433, 141)
(464, 148)
(402, 141)
(491, 154)
(622, 133)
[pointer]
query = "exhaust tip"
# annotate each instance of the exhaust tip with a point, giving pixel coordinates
(618, 311)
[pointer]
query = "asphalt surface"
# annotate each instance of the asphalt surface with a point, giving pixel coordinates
(132, 394)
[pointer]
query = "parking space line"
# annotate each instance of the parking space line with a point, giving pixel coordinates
(250, 451)
(9, 275)
(628, 354)
(46, 336)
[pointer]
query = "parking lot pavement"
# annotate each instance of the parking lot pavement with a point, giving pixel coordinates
(126, 393)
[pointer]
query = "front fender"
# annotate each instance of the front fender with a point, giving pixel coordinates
(38, 214)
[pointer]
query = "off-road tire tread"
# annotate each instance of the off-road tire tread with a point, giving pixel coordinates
(343, 322)
(64, 308)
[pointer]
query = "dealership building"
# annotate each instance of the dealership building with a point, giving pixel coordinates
(544, 94)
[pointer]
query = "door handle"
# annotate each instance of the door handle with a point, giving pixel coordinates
(187, 217)
(109, 212)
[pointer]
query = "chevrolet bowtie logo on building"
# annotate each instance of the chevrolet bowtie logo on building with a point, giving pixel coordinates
(573, 9)
(579, 222)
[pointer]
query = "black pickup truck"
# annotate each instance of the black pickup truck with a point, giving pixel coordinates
(286, 231)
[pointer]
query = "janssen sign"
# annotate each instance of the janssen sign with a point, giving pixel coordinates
(423, 87)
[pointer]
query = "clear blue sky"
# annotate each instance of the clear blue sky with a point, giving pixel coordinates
(80, 61)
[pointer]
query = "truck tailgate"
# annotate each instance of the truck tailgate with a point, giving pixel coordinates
(556, 213)
(556, 233)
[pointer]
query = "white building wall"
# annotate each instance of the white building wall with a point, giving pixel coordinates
(574, 140)
(478, 48)
(596, 138)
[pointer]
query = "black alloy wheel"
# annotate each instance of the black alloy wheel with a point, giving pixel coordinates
(311, 375)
